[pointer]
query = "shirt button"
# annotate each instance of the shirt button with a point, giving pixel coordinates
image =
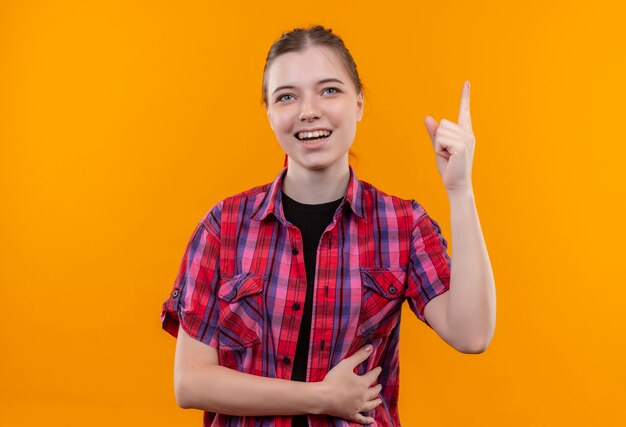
(286, 360)
(296, 306)
(294, 251)
(392, 289)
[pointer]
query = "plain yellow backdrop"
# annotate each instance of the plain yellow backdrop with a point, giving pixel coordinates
(123, 122)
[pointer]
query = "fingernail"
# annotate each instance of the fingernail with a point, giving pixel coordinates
(368, 348)
(467, 84)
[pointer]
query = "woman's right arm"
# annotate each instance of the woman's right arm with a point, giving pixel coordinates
(200, 383)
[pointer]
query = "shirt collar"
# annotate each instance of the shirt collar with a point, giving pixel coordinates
(272, 202)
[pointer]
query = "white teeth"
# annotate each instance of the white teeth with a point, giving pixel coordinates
(315, 134)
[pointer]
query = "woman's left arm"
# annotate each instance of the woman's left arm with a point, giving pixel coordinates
(465, 316)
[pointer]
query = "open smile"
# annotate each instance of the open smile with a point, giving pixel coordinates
(314, 143)
(311, 137)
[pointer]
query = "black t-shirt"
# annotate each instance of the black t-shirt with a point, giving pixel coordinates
(312, 220)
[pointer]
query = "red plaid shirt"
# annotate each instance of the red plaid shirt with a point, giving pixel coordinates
(243, 271)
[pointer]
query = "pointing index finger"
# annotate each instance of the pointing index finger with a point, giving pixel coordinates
(465, 120)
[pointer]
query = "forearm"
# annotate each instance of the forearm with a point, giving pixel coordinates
(471, 310)
(219, 389)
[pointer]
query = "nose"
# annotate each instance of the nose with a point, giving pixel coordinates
(310, 110)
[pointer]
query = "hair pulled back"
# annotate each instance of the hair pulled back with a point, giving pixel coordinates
(299, 39)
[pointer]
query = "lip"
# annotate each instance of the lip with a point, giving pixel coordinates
(316, 145)
(311, 130)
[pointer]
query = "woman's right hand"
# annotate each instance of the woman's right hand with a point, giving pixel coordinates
(349, 394)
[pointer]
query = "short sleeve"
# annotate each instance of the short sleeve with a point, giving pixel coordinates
(193, 300)
(429, 264)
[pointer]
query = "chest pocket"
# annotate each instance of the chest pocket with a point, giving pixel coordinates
(382, 295)
(242, 310)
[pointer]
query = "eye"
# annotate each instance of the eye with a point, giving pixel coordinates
(332, 88)
(281, 98)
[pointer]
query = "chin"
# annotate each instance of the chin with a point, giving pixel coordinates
(312, 165)
(321, 165)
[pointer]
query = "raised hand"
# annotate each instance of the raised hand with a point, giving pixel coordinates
(454, 147)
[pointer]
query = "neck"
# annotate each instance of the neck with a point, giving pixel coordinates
(316, 186)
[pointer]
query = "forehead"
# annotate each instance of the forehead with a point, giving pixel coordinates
(306, 67)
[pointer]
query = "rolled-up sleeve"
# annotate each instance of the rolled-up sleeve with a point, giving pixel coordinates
(429, 264)
(193, 300)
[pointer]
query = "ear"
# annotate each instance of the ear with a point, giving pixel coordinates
(359, 106)
(269, 117)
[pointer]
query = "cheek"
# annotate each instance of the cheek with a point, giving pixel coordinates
(341, 113)
(283, 130)
(283, 116)
(285, 124)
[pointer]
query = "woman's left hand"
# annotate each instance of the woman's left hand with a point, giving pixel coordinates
(454, 147)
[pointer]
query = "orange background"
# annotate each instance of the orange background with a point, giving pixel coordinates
(122, 122)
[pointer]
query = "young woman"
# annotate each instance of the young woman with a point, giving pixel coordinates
(287, 302)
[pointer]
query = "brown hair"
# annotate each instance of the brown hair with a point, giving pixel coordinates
(299, 39)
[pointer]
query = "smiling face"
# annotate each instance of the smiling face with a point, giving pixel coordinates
(307, 91)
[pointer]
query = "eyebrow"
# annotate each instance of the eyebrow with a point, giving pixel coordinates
(318, 83)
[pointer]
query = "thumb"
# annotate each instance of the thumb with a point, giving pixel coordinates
(361, 355)
(431, 127)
